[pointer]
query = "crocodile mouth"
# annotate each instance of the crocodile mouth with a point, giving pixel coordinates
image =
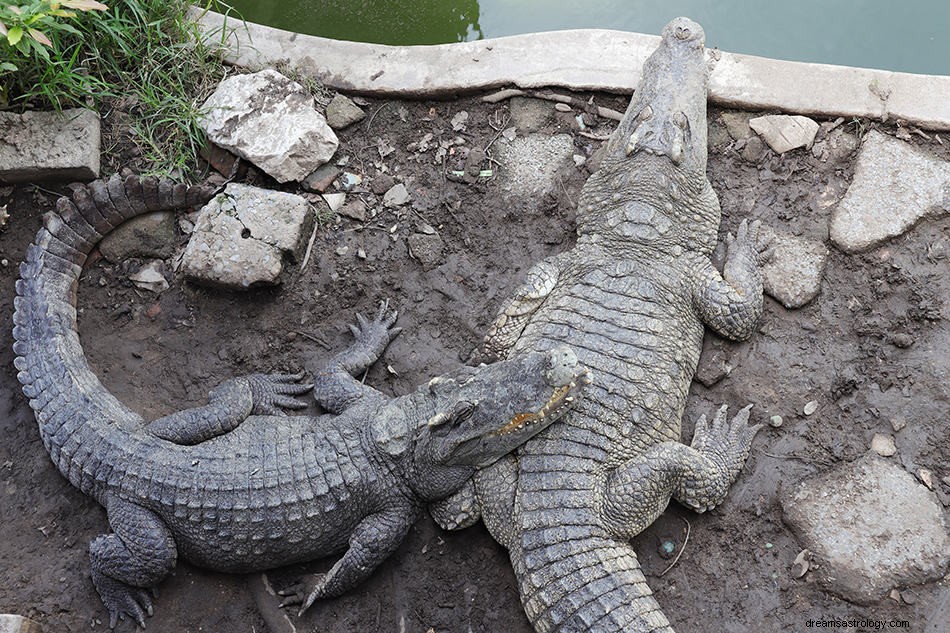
(562, 399)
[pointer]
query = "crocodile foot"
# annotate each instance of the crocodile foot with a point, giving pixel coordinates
(122, 600)
(750, 240)
(376, 334)
(726, 443)
(272, 393)
(303, 592)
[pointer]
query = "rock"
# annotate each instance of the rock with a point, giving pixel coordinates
(737, 124)
(243, 236)
(151, 277)
(17, 624)
(810, 407)
(460, 121)
(150, 235)
(870, 527)
(342, 112)
(529, 115)
(776, 421)
(793, 275)
(883, 445)
(898, 422)
(785, 132)
(714, 362)
(40, 146)
(397, 196)
(894, 186)
(355, 210)
(530, 163)
(271, 121)
(349, 181)
(427, 249)
(4, 216)
(382, 183)
(753, 150)
(321, 178)
(334, 200)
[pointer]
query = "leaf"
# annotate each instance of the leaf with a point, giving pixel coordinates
(8, 67)
(60, 13)
(14, 35)
(3, 29)
(40, 37)
(84, 5)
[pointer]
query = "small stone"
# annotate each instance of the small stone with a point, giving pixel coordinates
(898, 422)
(908, 596)
(361, 253)
(382, 183)
(343, 250)
(753, 150)
(562, 107)
(426, 229)
(348, 181)
(714, 362)
(150, 277)
(354, 209)
(459, 121)
(737, 124)
(342, 112)
(926, 477)
(883, 445)
(397, 196)
(666, 548)
(153, 310)
(4, 216)
(902, 340)
(579, 160)
(427, 249)
(894, 595)
(785, 132)
(334, 200)
(776, 421)
(793, 275)
(810, 407)
(801, 564)
(321, 178)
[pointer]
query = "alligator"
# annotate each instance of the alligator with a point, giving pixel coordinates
(631, 297)
(237, 485)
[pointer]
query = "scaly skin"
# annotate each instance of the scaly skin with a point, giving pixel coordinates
(632, 298)
(233, 485)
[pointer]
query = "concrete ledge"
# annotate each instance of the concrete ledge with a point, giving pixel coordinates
(586, 59)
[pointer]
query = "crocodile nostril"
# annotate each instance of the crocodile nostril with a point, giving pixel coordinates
(682, 33)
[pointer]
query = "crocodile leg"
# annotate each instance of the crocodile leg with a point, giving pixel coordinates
(374, 539)
(134, 558)
(229, 404)
(731, 303)
(334, 388)
(698, 476)
(511, 321)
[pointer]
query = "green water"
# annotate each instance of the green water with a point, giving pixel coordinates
(909, 36)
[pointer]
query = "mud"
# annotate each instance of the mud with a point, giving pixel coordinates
(871, 349)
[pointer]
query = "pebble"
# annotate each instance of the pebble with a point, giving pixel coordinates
(898, 423)
(883, 445)
(666, 548)
(776, 421)
(349, 180)
(397, 196)
(343, 250)
(334, 200)
(579, 160)
(810, 407)
(562, 107)
(926, 477)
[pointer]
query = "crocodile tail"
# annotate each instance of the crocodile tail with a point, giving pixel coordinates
(77, 416)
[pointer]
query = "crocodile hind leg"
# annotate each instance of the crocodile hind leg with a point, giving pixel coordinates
(334, 387)
(128, 563)
(229, 404)
(698, 476)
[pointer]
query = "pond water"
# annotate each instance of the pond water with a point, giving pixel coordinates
(909, 36)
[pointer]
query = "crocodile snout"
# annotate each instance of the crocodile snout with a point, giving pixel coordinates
(684, 30)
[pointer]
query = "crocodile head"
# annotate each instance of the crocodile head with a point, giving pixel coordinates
(651, 187)
(482, 413)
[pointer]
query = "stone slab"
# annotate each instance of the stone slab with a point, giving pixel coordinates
(783, 132)
(529, 164)
(271, 121)
(242, 237)
(40, 146)
(894, 186)
(588, 59)
(871, 526)
(793, 275)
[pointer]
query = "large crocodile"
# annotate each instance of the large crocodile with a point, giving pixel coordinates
(229, 485)
(631, 297)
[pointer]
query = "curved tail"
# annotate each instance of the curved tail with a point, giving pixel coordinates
(77, 416)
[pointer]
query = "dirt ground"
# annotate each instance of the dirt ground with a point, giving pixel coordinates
(871, 348)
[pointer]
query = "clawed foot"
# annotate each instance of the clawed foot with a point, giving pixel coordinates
(378, 331)
(753, 239)
(122, 600)
(272, 393)
(726, 443)
(304, 592)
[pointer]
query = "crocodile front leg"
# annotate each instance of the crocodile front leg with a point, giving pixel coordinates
(731, 303)
(229, 404)
(698, 476)
(374, 539)
(128, 563)
(335, 388)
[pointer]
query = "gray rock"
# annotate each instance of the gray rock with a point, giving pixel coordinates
(737, 123)
(715, 362)
(10, 623)
(271, 121)
(530, 115)
(342, 112)
(243, 236)
(397, 196)
(321, 178)
(753, 150)
(871, 526)
(894, 187)
(38, 146)
(427, 249)
(150, 235)
(530, 163)
(785, 132)
(883, 444)
(151, 277)
(793, 275)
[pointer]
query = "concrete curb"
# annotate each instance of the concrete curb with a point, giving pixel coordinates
(588, 59)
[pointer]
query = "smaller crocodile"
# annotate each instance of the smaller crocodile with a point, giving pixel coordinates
(234, 485)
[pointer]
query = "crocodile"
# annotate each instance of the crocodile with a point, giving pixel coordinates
(237, 485)
(631, 297)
